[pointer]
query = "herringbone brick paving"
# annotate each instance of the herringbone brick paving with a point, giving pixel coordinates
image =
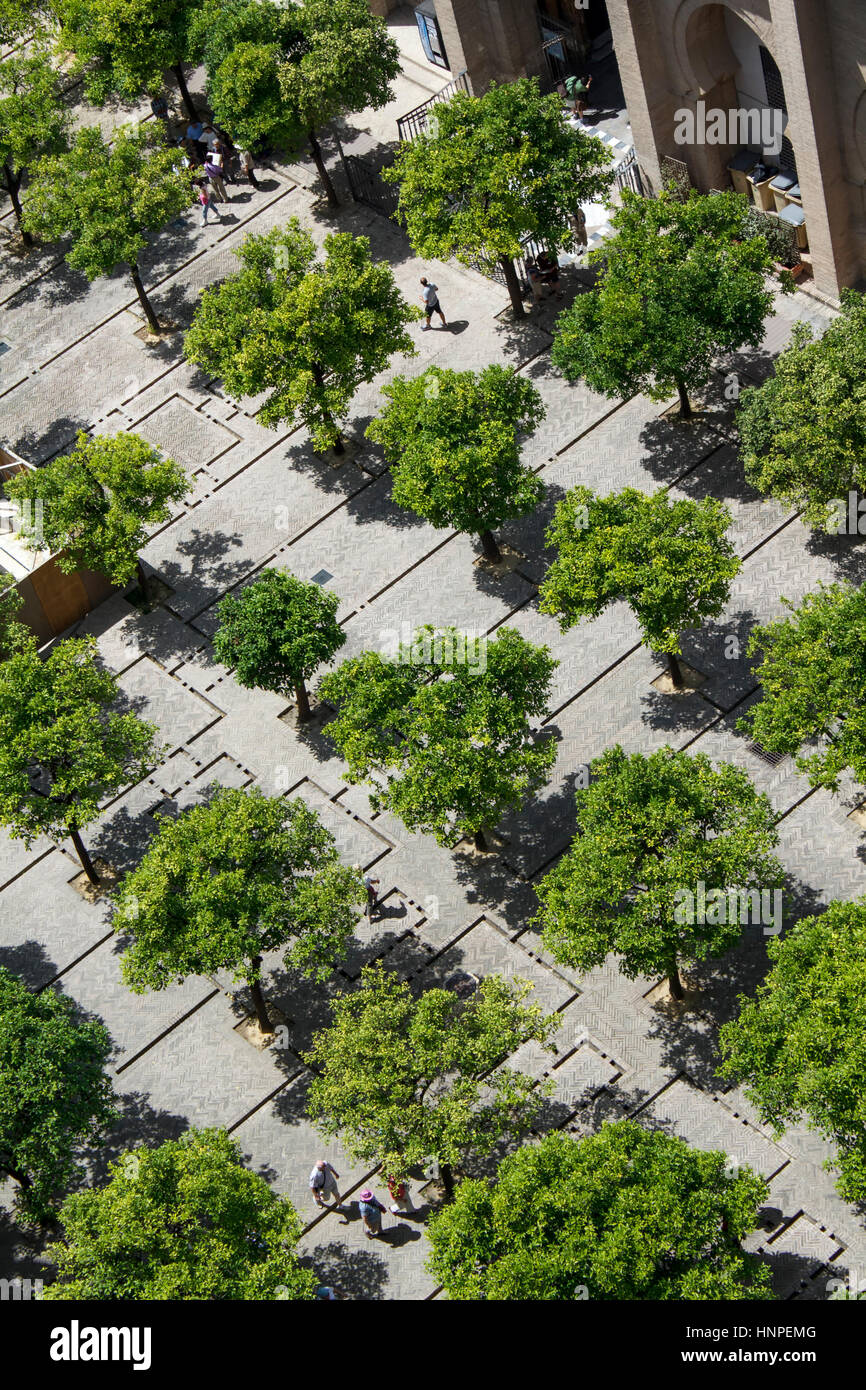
(261, 496)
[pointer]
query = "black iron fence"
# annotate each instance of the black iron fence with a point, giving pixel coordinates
(367, 185)
(415, 121)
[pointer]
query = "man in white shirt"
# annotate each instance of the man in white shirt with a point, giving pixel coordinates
(432, 306)
(323, 1183)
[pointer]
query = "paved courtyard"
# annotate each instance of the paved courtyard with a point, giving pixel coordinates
(261, 497)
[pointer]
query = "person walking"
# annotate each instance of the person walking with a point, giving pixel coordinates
(578, 89)
(430, 296)
(215, 179)
(323, 1183)
(205, 198)
(247, 167)
(371, 883)
(371, 1210)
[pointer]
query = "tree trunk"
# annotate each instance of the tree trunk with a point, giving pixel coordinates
(22, 1179)
(675, 671)
(512, 284)
(303, 700)
(13, 183)
(319, 378)
(489, 546)
(86, 861)
(142, 579)
(676, 984)
(685, 403)
(152, 320)
(446, 1173)
(184, 92)
(319, 161)
(480, 840)
(259, 1001)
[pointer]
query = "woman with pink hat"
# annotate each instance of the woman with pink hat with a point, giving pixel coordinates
(371, 1210)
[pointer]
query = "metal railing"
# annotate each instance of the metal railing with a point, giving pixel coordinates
(415, 121)
(366, 185)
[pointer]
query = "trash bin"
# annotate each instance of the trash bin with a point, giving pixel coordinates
(795, 217)
(742, 164)
(793, 195)
(780, 185)
(760, 180)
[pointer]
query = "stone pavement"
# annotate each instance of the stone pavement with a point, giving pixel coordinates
(261, 497)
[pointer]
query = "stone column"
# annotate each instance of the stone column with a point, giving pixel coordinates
(801, 50)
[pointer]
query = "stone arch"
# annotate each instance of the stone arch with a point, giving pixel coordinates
(701, 45)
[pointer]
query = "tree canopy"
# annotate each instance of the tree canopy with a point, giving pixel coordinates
(243, 45)
(491, 171)
(681, 282)
(63, 749)
(405, 1078)
(346, 61)
(106, 196)
(229, 880)
(98, 502)
(123, 47)
(800, 1043)
(813, 684)
(184, 1221)
(448, 755)
(33, 119)
(308, 332)
(55, 1093)
(625, 1214)
(652, 830)
(276, 632)
(670, 560)
(803, 432)
(453, 440)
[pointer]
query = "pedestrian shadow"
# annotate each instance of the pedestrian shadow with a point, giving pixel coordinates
(398, 1235)
(456, 326)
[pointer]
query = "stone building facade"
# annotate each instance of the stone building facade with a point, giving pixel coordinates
(807, 55)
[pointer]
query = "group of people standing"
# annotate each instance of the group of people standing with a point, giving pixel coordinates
(214, 159)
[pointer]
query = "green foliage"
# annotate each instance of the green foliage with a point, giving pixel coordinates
(229, 880)
(277, 630)
(346, 62)
(243, 45)
(63, 750)
(800, 1043)
(123, 47)
(33, 119)
(453, 437)
(451, 754)
(803, 432)
(184, 1221)
(671, 561)
(307, 332)
(647, 829)
(54, 1091)
(19, 17)
(781, 237)
(105, 197)
(491, 170)
(13, 634)
(681, 283)
(404, 1079)
(98, 502)
(625, 1214)
(814, 684)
